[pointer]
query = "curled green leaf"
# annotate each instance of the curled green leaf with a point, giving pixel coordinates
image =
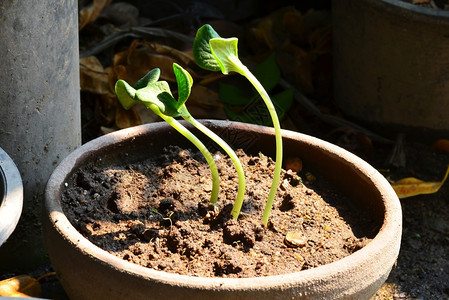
(125, 94)
(201, 48)
(185, 82)
(150, 77)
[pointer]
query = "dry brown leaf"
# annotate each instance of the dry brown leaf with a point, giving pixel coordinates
(93, 77)
(263, 33)
(126, 118)
(321, 40)
(442, 145)
(280, 28)
(133, 64)
(20, 286)
(142, 56)
(293, 22)
(411, 186)
(296, 66)
(186, 57)
(204, 97)
(121, 58)
(302, 43)
(90, 13)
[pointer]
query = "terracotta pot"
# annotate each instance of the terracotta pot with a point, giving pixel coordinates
(88, 272)
(390, 69)
(11, 196)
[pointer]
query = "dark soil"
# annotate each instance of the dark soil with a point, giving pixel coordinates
(157, 214)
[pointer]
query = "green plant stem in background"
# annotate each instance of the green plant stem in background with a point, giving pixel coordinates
(238, 166)
(191, 137)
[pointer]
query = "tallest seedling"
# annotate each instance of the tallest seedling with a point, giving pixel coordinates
(214, 53)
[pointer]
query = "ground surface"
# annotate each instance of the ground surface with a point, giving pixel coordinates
(422, 268)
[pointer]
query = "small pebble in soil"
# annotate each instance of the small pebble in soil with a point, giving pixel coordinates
(295, 239)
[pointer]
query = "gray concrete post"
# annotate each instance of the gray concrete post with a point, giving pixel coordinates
(40, 108)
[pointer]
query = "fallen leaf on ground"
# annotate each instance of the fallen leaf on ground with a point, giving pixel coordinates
(20, 286)
(204, 97)
(93, 77)
(126, 118)
(442, 145)
(411, 186)
(142, 56)
(90, 13)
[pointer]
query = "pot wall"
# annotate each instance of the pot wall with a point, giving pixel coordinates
(11, 196)
(391, 65)
(87, 272)
(40, 114)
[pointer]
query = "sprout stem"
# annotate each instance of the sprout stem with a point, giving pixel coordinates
(191, 137)
(244, 71)
(238, 166)
(278, 137)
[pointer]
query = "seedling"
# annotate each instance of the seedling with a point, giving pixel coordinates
(154, 95)
(211, 52)
(157, 96)
(168, 218)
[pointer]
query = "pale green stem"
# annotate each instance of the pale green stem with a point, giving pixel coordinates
(238, 166)
(207, 155)
(243, 70)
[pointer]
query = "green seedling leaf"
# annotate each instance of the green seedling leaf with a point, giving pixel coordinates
(232, 95)
(185, 82)
(201, 48)
(159, 94)
(268, 73)
(154, 92)
(125, 94)
(226, 54)
(150, 77)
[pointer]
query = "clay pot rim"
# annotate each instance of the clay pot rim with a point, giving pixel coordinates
(400, 7)
(391, 227)
(11, 196)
